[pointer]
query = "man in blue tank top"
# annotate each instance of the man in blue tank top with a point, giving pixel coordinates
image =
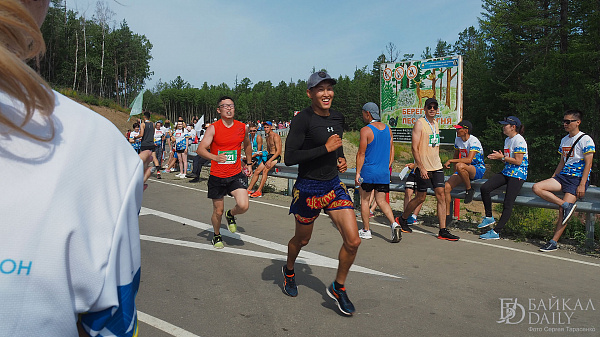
(373, 161)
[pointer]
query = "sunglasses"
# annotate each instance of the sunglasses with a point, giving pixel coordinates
(434, 107)
(569, 121)
(252, 130)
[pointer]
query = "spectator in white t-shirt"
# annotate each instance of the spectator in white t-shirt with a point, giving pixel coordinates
(70, 251)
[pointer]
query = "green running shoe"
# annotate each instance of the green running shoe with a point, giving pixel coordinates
(217, 241)
(231, 222)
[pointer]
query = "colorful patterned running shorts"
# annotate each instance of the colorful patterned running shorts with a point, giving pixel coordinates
(312, 196)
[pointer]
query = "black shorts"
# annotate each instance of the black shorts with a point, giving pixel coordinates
(385, 188)
(277, 160)
(149, 147)
(411, 181)
(436, 179)
(180, 151)
(219, 187)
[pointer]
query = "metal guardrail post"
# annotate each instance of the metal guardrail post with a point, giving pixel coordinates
(589, 229)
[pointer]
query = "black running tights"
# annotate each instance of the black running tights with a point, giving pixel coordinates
(513, 186)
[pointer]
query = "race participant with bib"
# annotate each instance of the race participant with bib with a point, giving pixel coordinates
(514, 174)
(468, 162)
(429, 170)
(572, 175)
(315, 144)
(181, 139)
(224, 138)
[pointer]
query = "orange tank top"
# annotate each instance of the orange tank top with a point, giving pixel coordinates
(229, 141)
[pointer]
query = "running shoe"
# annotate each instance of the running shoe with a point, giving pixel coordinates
(341, 299)
(396, 233)
(289, 284)
(412, 220)
(257, 194)
(363, 234)
(371, 215)
(444, 234)
(490, 235)
(158, 175)
(549, 247)
(403, 225)
(486, 222)
(250, 192)
(230, 221)
(217, 241)
(567, 212)
(469, 195)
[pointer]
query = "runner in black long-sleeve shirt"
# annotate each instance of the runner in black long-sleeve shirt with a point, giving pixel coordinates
(315, 144)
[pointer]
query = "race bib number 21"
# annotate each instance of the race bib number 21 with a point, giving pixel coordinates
(231, 156)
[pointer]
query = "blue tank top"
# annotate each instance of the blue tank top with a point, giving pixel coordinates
(376, 169)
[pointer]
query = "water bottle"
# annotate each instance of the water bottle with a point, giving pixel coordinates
(360, 181)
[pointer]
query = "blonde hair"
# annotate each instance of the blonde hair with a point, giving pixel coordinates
(21, 40)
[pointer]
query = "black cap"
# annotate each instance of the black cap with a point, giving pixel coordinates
(464, 124)
(430, 101)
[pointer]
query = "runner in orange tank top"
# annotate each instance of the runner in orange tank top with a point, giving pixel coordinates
(224, 138)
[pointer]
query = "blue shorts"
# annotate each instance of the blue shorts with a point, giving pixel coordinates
(312, 196)
(479, 172)
(569, 184)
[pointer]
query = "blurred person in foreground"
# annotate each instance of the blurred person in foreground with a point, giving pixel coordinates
(70, 252)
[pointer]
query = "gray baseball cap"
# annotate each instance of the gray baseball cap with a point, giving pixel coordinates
(372, 109)
(317, 78)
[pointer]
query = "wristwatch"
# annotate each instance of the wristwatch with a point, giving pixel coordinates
(503, 159)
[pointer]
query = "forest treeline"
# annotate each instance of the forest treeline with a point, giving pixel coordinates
(533, 59)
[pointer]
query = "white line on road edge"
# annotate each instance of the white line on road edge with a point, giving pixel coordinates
(507, 248)
(545, 255)
(164, 326)
(304, 256)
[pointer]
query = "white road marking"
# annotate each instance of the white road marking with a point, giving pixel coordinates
(164, 326)
(483, 243)
(544, 255)
(305, 257)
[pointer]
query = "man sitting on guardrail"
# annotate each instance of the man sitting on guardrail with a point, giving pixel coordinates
(572, 174)
(268, 162)
(468, 162)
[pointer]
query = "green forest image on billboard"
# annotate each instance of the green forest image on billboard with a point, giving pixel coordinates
(405, 86)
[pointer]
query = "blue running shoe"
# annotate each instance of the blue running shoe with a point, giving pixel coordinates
(289, 284)
(411, 220)
(341, 298)
(549, 247)
(486, 222)
(567, 212)
(490, 235)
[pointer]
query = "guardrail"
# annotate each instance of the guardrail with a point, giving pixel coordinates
(589, 205)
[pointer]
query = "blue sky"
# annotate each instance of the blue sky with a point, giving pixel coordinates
(267, 40)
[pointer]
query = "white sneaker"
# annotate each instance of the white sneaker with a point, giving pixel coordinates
(363, 234)
(181, 175)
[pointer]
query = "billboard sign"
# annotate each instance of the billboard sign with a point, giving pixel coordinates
(405, 86)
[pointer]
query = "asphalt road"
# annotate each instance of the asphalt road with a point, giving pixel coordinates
(421, 286)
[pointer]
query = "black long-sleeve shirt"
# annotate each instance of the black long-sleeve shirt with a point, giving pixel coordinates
(305, 144)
